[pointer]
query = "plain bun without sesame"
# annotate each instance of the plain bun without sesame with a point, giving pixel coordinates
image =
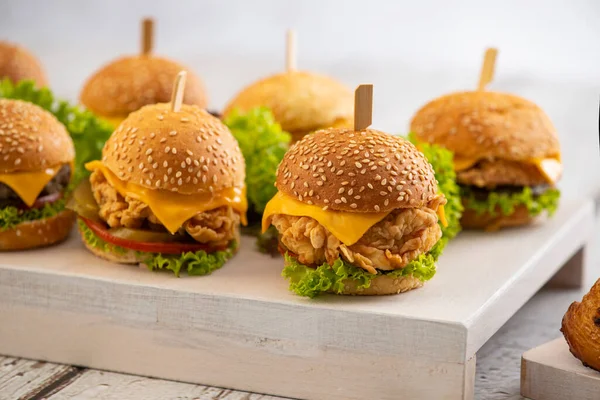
(130, 83)
(32, 138)
(301, 102)
(357, 171)
(17, 63)
(487, 125)
(188, 151)
(37, 233)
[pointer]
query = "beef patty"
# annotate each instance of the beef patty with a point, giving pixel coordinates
(58, 184)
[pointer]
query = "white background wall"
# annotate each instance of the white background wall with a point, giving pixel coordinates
(411, 50)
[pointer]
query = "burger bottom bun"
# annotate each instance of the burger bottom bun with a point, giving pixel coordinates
(383, 285)
(38, 233)
(471, 220)
(129, 257)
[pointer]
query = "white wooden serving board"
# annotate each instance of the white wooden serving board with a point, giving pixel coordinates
(240, 327)
(551, 372)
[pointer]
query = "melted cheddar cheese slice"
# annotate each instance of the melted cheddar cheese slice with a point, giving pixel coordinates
(29, 185)
(114, 121)
(550, 168)
(173, 209)
(348, 227)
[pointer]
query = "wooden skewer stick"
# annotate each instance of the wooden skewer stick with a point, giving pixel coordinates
(487, 70)
(178, 90)
(290, 51)
(363, 107)
(147, 35)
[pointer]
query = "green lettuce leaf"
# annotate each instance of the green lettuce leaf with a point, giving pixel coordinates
(89, 133)
(310, 282)
(263, 145)
(505, 203)
(194, 263)
(442, 162)
(12, 216)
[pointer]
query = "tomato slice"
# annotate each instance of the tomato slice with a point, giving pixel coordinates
(42, 201)
(101, 231)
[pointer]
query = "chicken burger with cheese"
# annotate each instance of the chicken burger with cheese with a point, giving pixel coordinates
(357, 213)
(168, 192)
(36, 164)
(506, 155)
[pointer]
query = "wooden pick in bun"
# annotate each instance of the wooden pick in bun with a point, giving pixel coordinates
(302, 102)
(581, 328)
(344, 197)
(17, 63)
(506, 154)
(36, 161)
(129, 83)
(169, 191)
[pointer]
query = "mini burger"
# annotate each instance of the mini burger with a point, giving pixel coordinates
(356, 212)
(36, 163)
(17, 64)
(506, 155)
(301, 102)
(129, 83)
(168, 192)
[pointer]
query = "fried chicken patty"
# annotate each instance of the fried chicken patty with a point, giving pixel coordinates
(215, 227)
(492, 173)
(390, 244)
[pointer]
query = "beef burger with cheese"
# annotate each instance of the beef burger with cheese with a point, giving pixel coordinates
(36, 165)
(506, 155)
(357, 213)
(168, 192)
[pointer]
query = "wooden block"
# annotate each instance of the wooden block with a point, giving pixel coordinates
(240, 328)
(550, 372)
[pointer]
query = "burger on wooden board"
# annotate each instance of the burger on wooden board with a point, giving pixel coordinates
(36, 165)
(168, 192)
(17, 64)
(302, 102)
(506, 153)
(356, 211)
(129, 83)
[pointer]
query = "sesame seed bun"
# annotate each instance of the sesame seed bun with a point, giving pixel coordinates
(363, 171)
(17, 63)
(487, 125)
(301, 102)
(189, 151)
(130, 83)
(486, 221)
(31, 138)
(37, 233)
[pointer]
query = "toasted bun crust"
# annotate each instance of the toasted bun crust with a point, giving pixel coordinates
(487, 125)
(581, 327)
(300, 101)
(17, 63)
(188, 152)
(130, 83)
(383, 285)
(38, 233)
(471, 220)
(364, 171)
(32, 138)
